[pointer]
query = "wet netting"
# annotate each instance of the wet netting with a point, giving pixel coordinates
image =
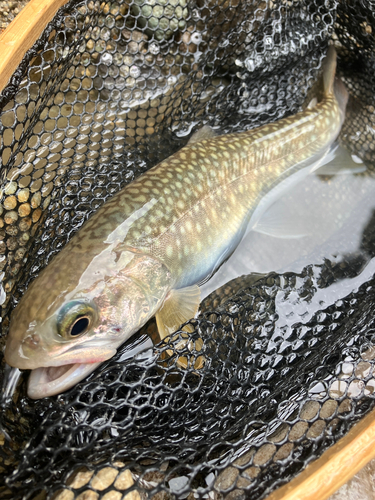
(285, 362)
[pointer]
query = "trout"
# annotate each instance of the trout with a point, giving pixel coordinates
(145, 252)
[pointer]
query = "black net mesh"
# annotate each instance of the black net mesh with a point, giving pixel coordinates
(109, 90)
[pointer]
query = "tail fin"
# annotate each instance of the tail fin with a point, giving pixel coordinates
(329, 71)
(332, 84)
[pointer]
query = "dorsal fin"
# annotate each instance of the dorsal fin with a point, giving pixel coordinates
(206, 132)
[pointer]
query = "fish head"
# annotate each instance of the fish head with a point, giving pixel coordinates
(64, 341)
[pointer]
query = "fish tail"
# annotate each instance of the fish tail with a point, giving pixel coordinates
(329, 71)
(332, 84)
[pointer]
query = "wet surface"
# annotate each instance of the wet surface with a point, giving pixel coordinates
(288, 357)
(319, 218)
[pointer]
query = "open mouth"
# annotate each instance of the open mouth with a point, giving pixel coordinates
(52, 380)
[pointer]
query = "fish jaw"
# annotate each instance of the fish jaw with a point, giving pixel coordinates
(49, 381)
(63, 372)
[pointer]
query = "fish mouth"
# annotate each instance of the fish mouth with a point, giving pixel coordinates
(51, 380)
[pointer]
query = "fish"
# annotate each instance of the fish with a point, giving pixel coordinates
(148, 249)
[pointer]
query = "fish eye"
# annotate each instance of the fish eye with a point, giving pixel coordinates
(74, 319)
(80, 326)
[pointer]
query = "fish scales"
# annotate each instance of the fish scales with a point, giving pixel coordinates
(146, 250)
(226, 189)
(198, 189)
(201, 197)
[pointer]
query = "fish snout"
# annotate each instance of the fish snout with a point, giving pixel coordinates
(32, 341)
(23, 353)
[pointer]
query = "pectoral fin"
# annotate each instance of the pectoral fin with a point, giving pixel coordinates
(180, 306)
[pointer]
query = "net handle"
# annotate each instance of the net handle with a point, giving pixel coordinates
(22, 33)
(335, 467)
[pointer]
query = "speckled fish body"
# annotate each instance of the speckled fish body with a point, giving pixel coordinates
(146, 250)
(200, 214)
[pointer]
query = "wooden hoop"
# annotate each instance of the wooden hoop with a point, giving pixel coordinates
(22, 33)
(335, 467)
(338, 464)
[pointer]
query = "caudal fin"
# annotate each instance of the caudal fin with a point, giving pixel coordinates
(333, 84)
(329, 71)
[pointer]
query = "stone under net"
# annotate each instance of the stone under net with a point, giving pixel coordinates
(108, 91)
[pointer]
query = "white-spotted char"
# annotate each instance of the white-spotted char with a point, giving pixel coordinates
(146, 251)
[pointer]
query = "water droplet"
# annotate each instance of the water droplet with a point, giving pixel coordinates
(195, 15)
(196, 38)
(154, 48)
(106, 58)
(135, 71)
(250, 64)
(268, 42)
(172, 80)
